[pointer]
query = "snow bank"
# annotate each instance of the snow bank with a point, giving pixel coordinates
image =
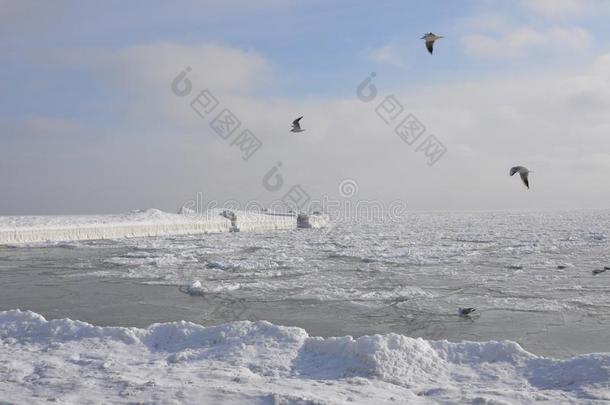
(152, 222)
(258, 362)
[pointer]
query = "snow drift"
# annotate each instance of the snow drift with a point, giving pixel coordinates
(258, 362)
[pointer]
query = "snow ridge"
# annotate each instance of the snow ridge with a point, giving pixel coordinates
(243, 362)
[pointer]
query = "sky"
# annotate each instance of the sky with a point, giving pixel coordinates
(92, 120)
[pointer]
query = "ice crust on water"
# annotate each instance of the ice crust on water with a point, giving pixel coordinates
(151, 222)
(253, 362)
(423, 259)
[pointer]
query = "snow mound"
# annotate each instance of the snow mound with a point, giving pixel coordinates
(245, 362)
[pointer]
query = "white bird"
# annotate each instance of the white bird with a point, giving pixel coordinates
(296, 127)
(523, 172)
(430, 38)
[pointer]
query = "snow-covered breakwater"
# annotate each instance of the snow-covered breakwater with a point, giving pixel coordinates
(152, 222)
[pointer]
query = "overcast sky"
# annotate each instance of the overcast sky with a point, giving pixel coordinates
(89, 122)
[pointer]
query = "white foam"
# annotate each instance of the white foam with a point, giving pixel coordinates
(244, 362)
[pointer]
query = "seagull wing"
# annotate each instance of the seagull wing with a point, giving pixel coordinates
(523, 175)
(430, 45)
(295, 123)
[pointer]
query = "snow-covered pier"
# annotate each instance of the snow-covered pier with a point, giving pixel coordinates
(152, 222)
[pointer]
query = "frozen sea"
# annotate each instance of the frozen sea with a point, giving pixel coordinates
(529, 274)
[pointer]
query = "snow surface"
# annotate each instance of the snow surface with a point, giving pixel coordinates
(151, 222)
(70, 361)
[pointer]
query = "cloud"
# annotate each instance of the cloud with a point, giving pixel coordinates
(485, 21)
(387, 54)
(42, 130)
(139, 78)
(524, 41)
(153, 66)
(27, 19)
(52, 127)
(565, 8)
(555, 122)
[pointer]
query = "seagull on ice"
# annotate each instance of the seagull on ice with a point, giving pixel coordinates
(430, 38)
(466, 311)
(523, 172)
(296, 127)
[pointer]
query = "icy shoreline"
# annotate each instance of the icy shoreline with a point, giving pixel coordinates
(152, 222)
(253, 362)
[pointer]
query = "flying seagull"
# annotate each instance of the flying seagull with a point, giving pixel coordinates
(465, 311)
(599, 271)
(296, 127)
(523, 172)
(430, 38)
